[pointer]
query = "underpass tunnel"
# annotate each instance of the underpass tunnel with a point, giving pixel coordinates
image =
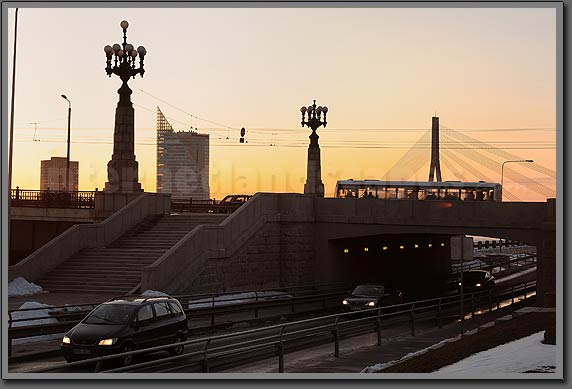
(417, 264)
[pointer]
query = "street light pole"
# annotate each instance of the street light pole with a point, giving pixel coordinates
(502, 172)
(68, 154)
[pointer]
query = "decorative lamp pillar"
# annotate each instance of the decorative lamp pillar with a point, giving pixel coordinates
(122, 169)
(314, 185)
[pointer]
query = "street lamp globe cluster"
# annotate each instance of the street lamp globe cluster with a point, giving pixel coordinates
(124, 57)
(314, 116)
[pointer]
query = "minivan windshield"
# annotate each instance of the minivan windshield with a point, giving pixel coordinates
(110, 314)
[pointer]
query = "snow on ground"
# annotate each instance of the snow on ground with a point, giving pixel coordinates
(380, 366)
(528, 354)
(20, 287)
(236, 298)
(153, 293)
(38, 313)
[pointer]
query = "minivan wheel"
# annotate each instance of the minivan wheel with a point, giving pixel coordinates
(177, 350)
(127, 359)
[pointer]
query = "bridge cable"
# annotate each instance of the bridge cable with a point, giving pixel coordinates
(478, 175)
(499, 152)
(403, 167)
(510, 173)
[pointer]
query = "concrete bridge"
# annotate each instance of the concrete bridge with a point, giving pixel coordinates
(287, 239)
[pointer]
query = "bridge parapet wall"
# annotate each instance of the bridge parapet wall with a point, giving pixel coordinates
(81, 236)
(435, 213)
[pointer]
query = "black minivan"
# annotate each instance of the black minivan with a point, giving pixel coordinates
(126, 324)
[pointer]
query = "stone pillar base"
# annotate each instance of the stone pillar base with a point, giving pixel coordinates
(123, 176)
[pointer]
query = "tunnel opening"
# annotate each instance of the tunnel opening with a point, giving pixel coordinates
(417, 264)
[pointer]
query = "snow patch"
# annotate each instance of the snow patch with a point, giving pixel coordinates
(237, 298)
(21, 287)
(37, 317)
(380, 366)
(526, 355)
(154, 293)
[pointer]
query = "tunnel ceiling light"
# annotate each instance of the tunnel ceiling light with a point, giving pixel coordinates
(346, 251)
(416, 246)
(430, 244)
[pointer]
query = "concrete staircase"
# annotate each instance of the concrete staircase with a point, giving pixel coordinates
(116, 269)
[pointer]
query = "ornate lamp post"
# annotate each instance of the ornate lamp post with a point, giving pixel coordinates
(122, 170)
(314, 185)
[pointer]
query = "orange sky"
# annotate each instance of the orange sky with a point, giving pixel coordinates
(376, 68)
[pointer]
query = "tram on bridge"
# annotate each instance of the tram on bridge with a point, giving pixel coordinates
(419, 190)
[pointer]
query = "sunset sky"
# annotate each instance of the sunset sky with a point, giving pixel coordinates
(382, 72)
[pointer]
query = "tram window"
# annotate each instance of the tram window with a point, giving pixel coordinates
(432, 194)
(451, 194)
(382, 193)
(391, 194)
(411, 193)
(468, 194)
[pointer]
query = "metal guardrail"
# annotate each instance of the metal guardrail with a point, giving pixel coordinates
(505, 263)
(217, 307)
(52, 199)
(272, 345)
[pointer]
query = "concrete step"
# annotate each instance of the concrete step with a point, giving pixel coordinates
(86, 270)
(88, 283)
(80, 278)
(117, 257)
(116, 291)
(114, 259)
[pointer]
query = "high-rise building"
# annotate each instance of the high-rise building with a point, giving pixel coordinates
(182, 162)
(53, 174)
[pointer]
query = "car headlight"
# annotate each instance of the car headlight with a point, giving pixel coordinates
(371, 304)
(66, 340)
(107, 342)
(345, 302)
(478, 284)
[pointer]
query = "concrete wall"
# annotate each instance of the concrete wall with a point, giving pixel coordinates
(26, 236)
(81, 236)
(52, 214)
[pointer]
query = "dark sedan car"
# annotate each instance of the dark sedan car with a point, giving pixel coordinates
(476, 281)
(372, 296)
(123, 325)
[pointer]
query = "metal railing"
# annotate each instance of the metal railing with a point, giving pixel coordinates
(499, 265)
(317, 293)
(268, 344)
(52, 199)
